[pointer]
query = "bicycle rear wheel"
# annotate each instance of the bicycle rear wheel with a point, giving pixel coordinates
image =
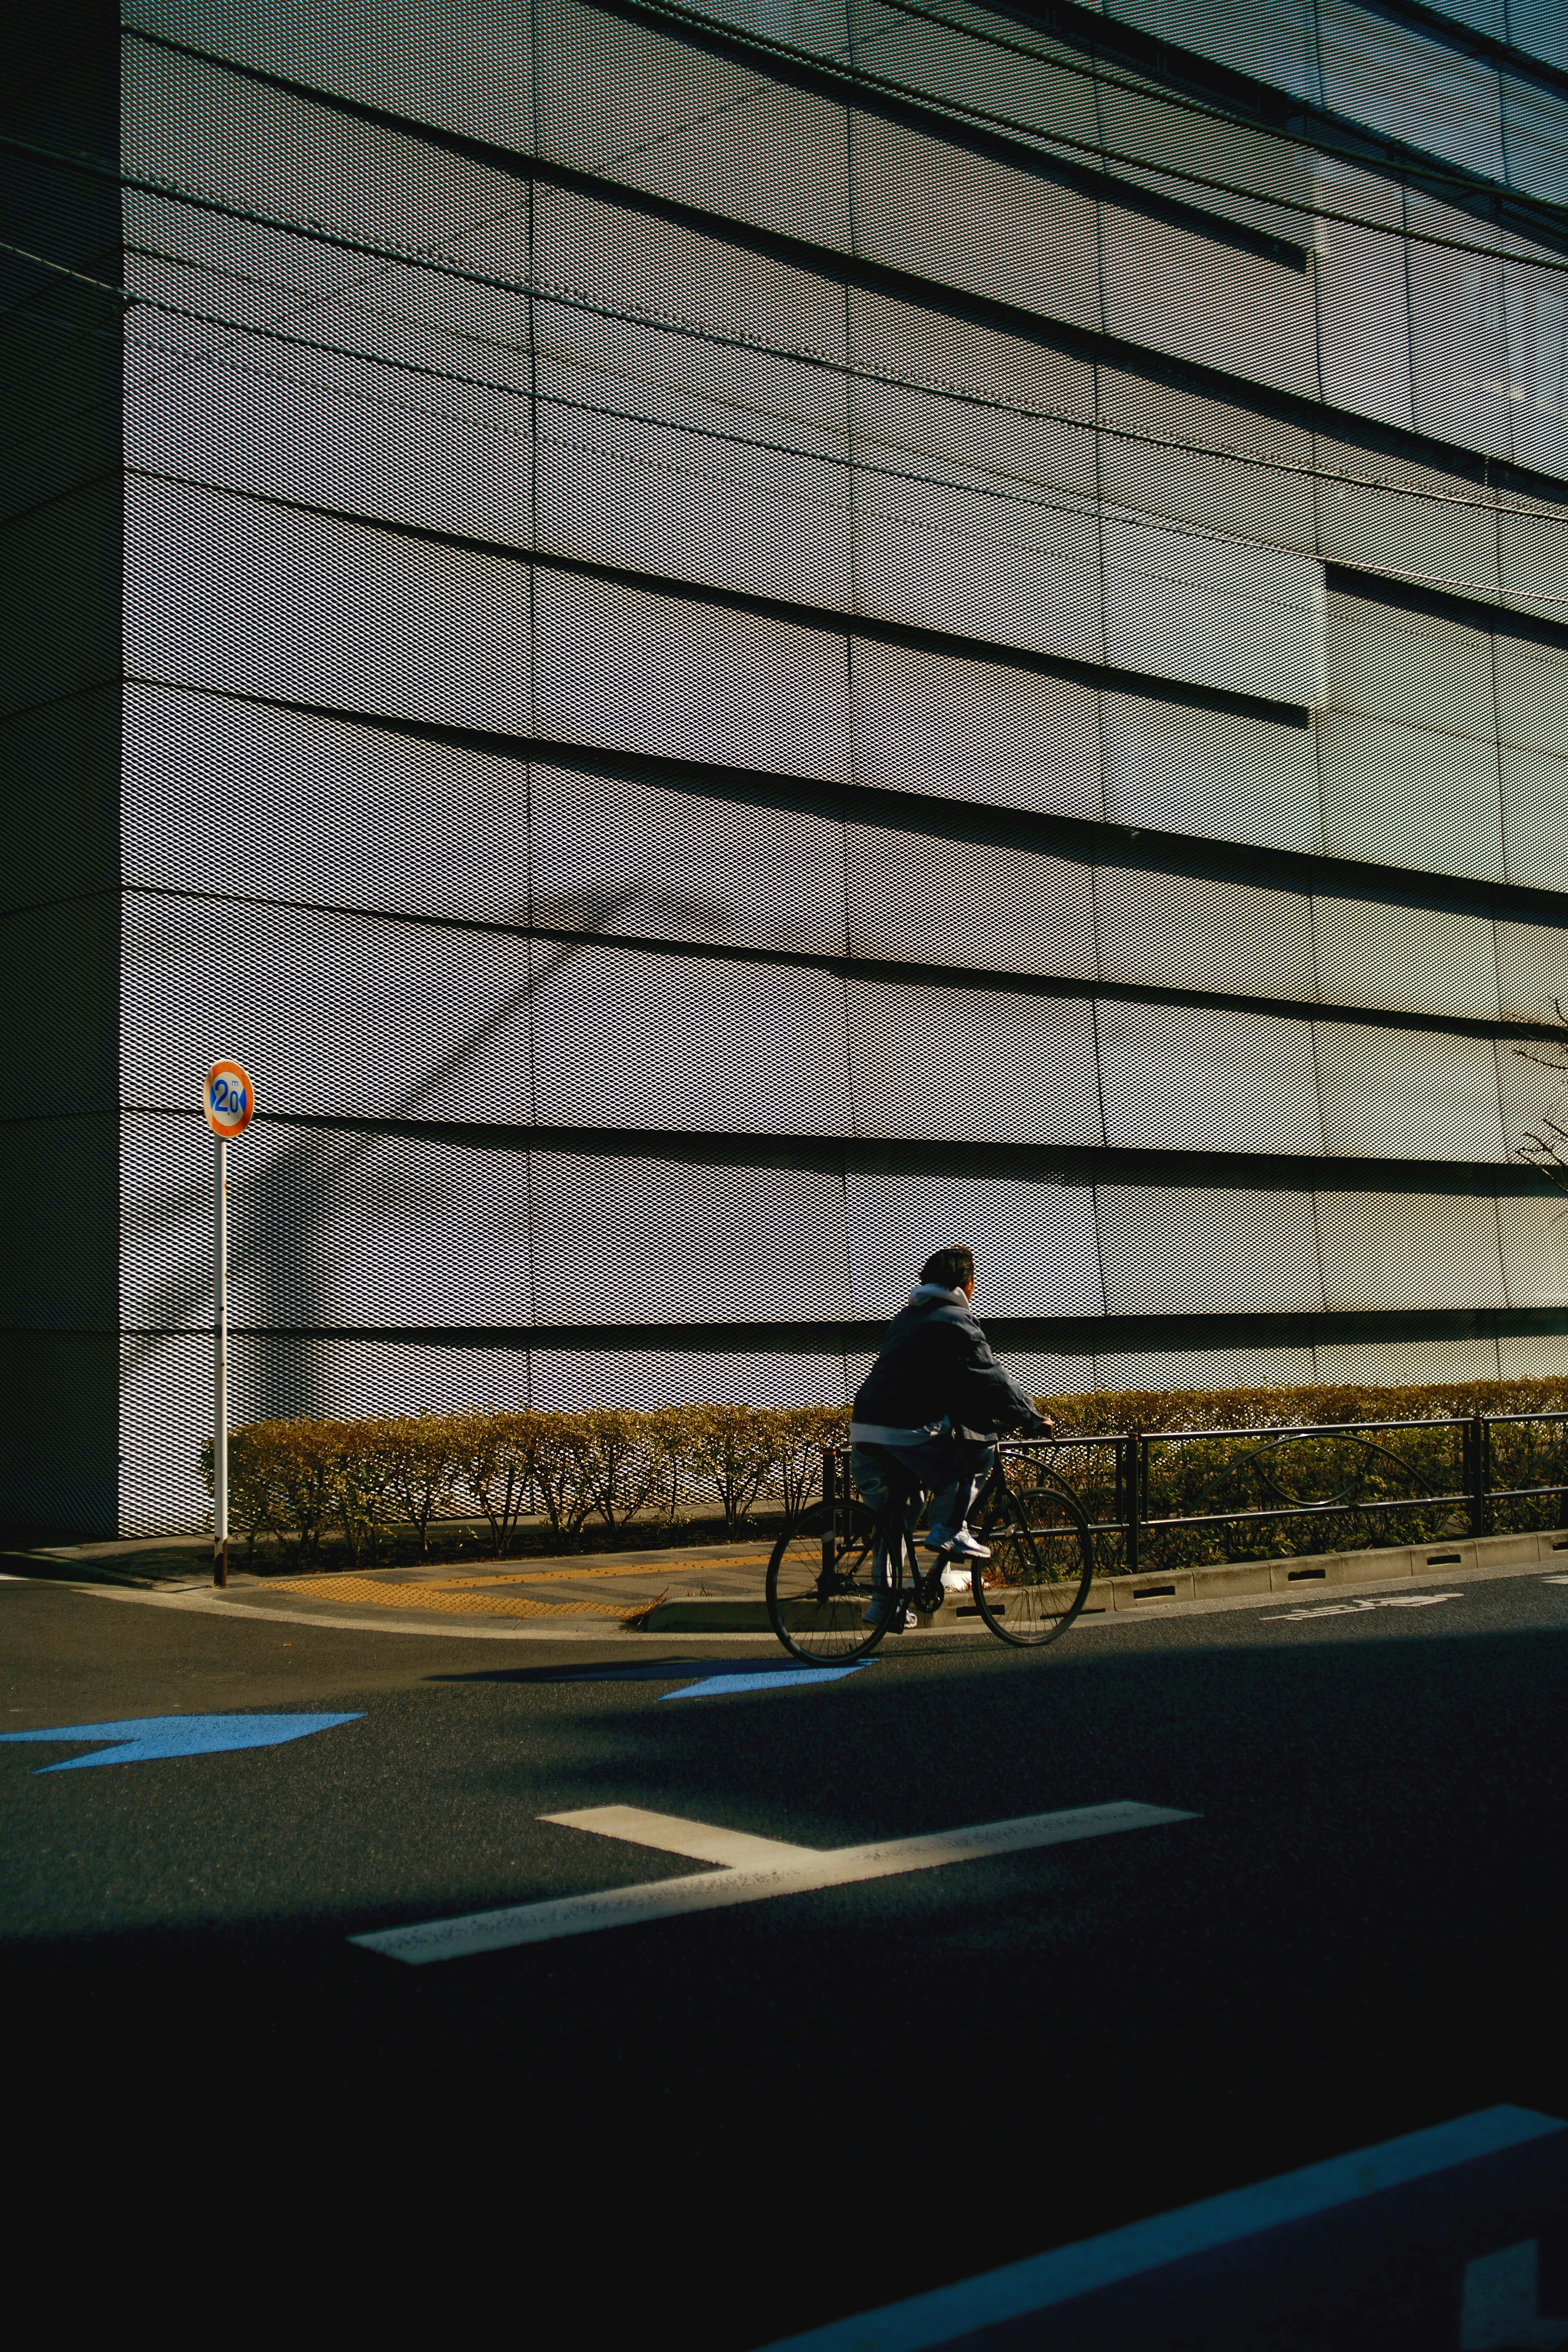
(822, 1578)
(1042, 1557)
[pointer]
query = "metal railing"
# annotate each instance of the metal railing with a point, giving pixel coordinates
(1164, 1498)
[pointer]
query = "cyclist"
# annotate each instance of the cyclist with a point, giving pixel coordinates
(935, 1400)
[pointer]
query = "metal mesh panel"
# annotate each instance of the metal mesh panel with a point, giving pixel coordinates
(1392, 1364)
(338, 1015)
(935, 555)
(1535, 817)
(997, 232)
(57, 1392)
(61, 762)
(1035, 1248)
(629, 670)
(233, 597)
(971, 1065)
(929, 898)
(925, 722)
(63, 636)
(652, 1241)
(1409, 1250)
(61, 1268)
(1415, 668)
(1533, 970)
(1215, 613)
(1534, 1229)
(619, 99)
(1384, 510)
(622, 1039)
(364, 816)
(1200, 931)
(613, 855)
(1406, 796)
(568, 1379)
(1211, 772)
(1393, 77)
(1409, 957)
(1530, 1356)
(1275, 40)
(59, 979)
(1364, 294)
(1170, 288)
(1402, 1094)
(1205, 1367)
(1530, 1091)
(1205, 1252)
(328, 1230)
(1179, 1080)
(468, 71)
(660, 268)
(1201, 483)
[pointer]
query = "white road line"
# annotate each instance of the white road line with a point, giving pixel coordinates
(1351, 1607)
(670, 1898)
(732, 1848)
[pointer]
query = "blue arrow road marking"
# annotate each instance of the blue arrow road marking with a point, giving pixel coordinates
(993, 2306)
(149, 1736)
(718, 1686)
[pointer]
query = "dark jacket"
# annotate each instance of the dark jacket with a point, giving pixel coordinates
(936, 1365)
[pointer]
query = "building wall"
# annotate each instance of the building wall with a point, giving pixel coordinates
(754, 640)
(61, 499)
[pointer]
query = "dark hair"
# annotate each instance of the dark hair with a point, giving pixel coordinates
(950, 1269)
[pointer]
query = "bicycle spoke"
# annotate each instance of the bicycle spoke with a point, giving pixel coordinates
(1042, 1557)
(817, 1600)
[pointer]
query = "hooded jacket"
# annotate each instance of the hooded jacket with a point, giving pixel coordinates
(936, 1366)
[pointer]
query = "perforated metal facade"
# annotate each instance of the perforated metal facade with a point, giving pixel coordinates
(725, 643)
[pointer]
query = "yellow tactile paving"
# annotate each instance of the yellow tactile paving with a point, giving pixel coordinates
(639, 1568)
(465, 1602)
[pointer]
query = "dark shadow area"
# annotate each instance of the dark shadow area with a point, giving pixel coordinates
(1360, 1935)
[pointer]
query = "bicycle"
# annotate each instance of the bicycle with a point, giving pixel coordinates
(833, 1559)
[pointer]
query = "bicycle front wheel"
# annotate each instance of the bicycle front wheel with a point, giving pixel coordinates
(1042, 1559)
(822, 1578)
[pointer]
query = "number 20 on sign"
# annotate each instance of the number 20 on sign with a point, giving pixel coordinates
(227, 1101)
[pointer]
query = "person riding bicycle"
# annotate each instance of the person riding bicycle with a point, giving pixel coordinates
(931, 1407)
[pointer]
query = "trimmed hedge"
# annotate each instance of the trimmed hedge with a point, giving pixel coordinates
(1384, 1491)
(301, 1482)
(360, 1484)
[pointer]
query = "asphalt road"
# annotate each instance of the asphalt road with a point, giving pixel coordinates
(753, 2120)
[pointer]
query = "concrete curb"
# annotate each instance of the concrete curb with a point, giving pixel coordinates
(1191, 1584)
(1379, 1567)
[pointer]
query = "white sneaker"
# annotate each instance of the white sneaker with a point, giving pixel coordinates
(958, 1541)
(877, 1608)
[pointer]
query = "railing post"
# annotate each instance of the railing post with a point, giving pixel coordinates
(829, 1506)
(1135, 1492)
(1476, 1481)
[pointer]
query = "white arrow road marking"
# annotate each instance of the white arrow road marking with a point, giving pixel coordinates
(765, 1869)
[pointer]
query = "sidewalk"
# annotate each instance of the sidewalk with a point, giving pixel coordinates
(714, 1590)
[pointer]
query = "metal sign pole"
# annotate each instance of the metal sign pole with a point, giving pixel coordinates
(220, 1401)
(227, 1106)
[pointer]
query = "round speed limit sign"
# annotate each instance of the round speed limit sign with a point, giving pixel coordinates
(227, 1100)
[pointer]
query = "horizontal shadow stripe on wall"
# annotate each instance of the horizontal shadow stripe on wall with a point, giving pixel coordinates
(1065, 1163)
(900, 284)
(1069, 1334)
(954, 978)
(1357, 143)
(1089, 840)
(830, 620)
